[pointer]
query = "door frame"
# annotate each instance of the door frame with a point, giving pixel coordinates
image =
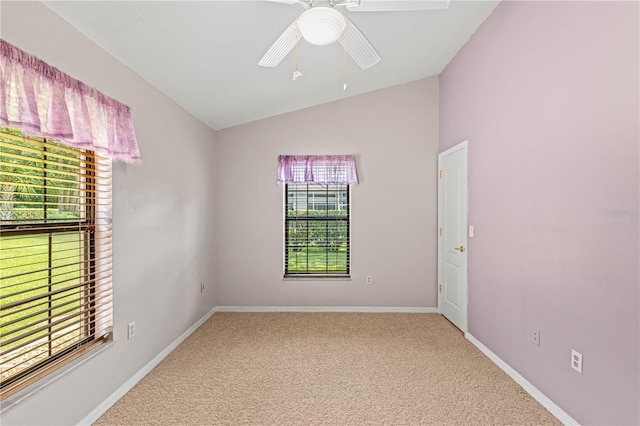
(464, 145)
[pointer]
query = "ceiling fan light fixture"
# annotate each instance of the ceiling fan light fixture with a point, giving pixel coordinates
(321, 25)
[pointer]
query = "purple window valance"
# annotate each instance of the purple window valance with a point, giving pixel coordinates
(317, 169)
(43, 101)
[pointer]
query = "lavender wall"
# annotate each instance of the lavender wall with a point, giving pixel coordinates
(163, 220)
(394, 134)
(547, 94)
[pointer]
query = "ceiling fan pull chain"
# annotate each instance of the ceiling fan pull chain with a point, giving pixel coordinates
(346, 39)
(297, 73)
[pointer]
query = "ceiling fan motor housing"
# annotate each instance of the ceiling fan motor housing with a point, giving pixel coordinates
(321, 25)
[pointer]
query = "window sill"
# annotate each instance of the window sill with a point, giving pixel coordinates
(316, 278)
(28, 391)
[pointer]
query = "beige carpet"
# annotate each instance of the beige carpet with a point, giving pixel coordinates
(329, 369)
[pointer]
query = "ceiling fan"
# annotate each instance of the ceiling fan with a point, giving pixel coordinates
(323, 24)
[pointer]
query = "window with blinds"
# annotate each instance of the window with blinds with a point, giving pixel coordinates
(55, 256)
(316, 230)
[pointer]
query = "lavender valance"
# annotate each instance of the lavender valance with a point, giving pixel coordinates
(317, 169)
(43, 101)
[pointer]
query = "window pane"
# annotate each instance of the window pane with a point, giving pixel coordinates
(37, 266)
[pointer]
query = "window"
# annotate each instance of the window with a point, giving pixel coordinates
(317, 213)
(316, 229)
(55, 256)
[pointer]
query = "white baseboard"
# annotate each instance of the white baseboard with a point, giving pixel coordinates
(551, 406)
(129, 384)
(361, 309)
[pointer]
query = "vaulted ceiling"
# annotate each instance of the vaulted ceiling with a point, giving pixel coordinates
(204, 54)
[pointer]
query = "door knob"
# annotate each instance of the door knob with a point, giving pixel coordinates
(460, 249)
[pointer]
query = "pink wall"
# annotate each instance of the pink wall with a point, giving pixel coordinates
(163, 223)
(547, 95)
(393, 133)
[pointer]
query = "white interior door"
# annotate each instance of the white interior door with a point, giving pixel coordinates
(452, 234)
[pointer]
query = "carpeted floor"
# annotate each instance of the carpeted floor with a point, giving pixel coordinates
(329, 369)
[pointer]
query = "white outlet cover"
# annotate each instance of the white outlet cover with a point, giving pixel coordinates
(576, 361)
(131, 330)
(535, 336)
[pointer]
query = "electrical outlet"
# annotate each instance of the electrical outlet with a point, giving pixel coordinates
(131, 330)
(576, 361)
(369, 279)
(201, 287)
(535, 336)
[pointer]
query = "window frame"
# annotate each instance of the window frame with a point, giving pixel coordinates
(326, 273)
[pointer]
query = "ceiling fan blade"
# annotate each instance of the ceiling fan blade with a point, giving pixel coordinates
(284, 1)
(396, 5)
(281, 47)
(304, 3)
(358, 47)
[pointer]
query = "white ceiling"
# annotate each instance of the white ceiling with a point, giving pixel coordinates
(204, 54)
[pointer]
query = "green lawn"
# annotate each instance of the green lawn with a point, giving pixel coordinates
(29, 255)
(312, 260)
